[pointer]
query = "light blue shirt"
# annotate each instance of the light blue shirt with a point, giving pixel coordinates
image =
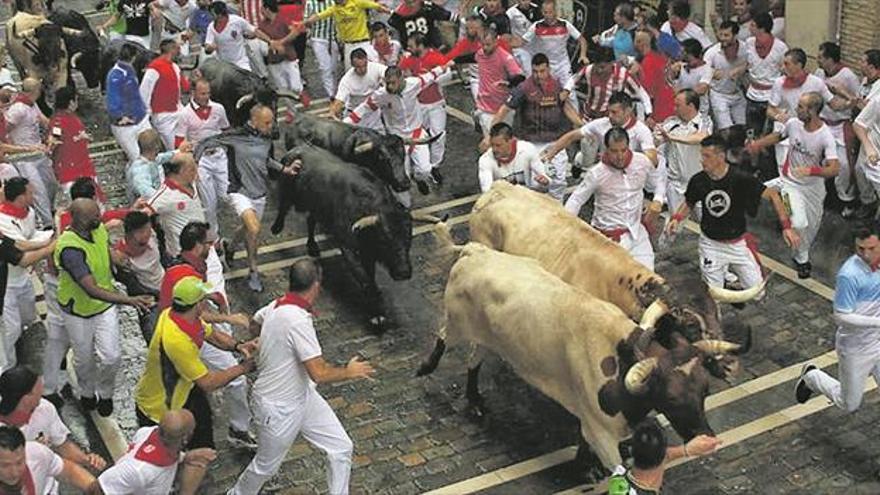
(144, 176)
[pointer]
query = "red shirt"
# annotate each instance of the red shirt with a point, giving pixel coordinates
(71, 156)
(278, 29)
(293, 12)
(653, 79)
(420, 65)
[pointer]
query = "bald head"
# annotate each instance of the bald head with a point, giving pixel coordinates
(85, 214)
(176, 428)
(809, 106)
(262, 119)
(31, 86)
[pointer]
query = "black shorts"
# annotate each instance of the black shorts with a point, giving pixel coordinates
(198, 405)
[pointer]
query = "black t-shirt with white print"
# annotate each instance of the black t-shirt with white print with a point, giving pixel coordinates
(725, 202)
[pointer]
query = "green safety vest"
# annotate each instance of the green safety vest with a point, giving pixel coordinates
(71, 295)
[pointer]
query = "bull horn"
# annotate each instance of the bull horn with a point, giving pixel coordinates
(27, 33)
(736, 296)
(636, 380)
(241, 101)
(71, 32)
(424, 140)
(288, 94)
(713, 347)
(75, 59)
(653, 314)
(424, 217)
(367, 221)
(363, 147)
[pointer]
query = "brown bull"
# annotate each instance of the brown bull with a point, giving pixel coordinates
(582, 352)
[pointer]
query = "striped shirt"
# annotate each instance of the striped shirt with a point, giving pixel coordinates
(250, 10)
(324, 29)
(601, 89)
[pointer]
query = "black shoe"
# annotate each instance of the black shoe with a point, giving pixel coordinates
(228, 252)
(105, 407)
(423, 187)
(576, 172)
(88, 403)
(803, 269)
(56, 400)
(802, 392)
(435, 174)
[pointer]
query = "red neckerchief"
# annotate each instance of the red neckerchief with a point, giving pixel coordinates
(177, 187)
(27, 480)
(295, 300)
(794, 82)
(630, 123)
(628, 158)
(509, 157)
(16, 418)
(202, 112)
(23, 98)
(678, 25)
(384, 50)
(405, 10)
(731, 52)
(12, 210)
(221, 23)
(763, 44)
(154, 452)
(193, 329)
(197, 263)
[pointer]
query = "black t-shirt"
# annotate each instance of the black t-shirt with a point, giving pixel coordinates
(500, 22)
(725, 202)
(9, 254)
(423, 21)
(137, 16)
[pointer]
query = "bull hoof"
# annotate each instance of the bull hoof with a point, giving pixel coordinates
(276, 228)
(313, 249)
(426, 368)
(378, 323)
(476, 409)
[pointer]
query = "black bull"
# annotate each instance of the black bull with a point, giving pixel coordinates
(357, 210)
(83, 50)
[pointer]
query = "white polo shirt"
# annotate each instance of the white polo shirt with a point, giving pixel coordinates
(23, 124)
(354, 89)
(640, 137)
(787, 98)
(175, 208)
(143, 470)
(195, 124)
(525, 166)
(683, 161)
(619, 193)
(690, 31)
(230, 42)
(43, 464)
(287, 339)
(717, 60)
(45, 426)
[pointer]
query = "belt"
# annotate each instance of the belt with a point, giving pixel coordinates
(759, 86)
(614, 234)
(356, 41)
(834, 123)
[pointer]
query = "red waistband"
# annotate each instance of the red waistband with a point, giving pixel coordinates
(760, 86)
(614, 234)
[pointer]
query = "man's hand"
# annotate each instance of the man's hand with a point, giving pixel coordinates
(872, 155)
(239, 320)
(672, 226)
(277, 46)
(249, 364)
(250, 348)
(185, 147)
(139, 204)
(652, 212)
(125, 121)
(563, 95)
(141, 303)
(584, 60)
(484, 144)
(542, 179)
(548, 153)
(753, 148)
(200, 457)
(293, 169)
(118, 257)
(781, 117)
(96, 462)
(792, 239)
(358, 368)
(702, 445)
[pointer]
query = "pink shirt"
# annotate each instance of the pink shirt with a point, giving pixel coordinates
(497, 67)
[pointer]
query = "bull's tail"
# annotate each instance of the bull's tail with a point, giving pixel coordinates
(429, 365)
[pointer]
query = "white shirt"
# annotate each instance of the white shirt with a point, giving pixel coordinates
(287, 340)
(176, 209)
(21, 229)
(683, 161)
(354, 89)
(23, 124)
(807, 149)
(551, 40)
(132, 476)
(519, 23)
(177, 14)
(845, 79)
(402, 113)
(716, 59)
(148, 84)
(44, 466)
(619, 193)
(6, 76)
(869, 118)
(764, 71)
(45, 426)
(147, 267)
(193, 128)
(786, 99)
(393, 56)
(869, 90)
(690, 31)
(640, 137)
(8, 171)
(525, 166)
(230, 42)
(690, 77)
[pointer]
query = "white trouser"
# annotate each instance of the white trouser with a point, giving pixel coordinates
(327, 55)
(843, 182)
(19, 311)
(867, 179)
(557, 170)
(561, 70)
(854, 365)
(286, 75)
(278, 425)
(40, 173)
(214, 182)
(418, 157)
(638, 243)
(727, 110)
(57, 340)
(485, 120)
(807, 207)
(165, 124)
(434, 120)
(214, 273)
(524, 58)
(127, 137)
(236, 391)
(717, 258)
(96, 351)
(347, 48)
(373, 120)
